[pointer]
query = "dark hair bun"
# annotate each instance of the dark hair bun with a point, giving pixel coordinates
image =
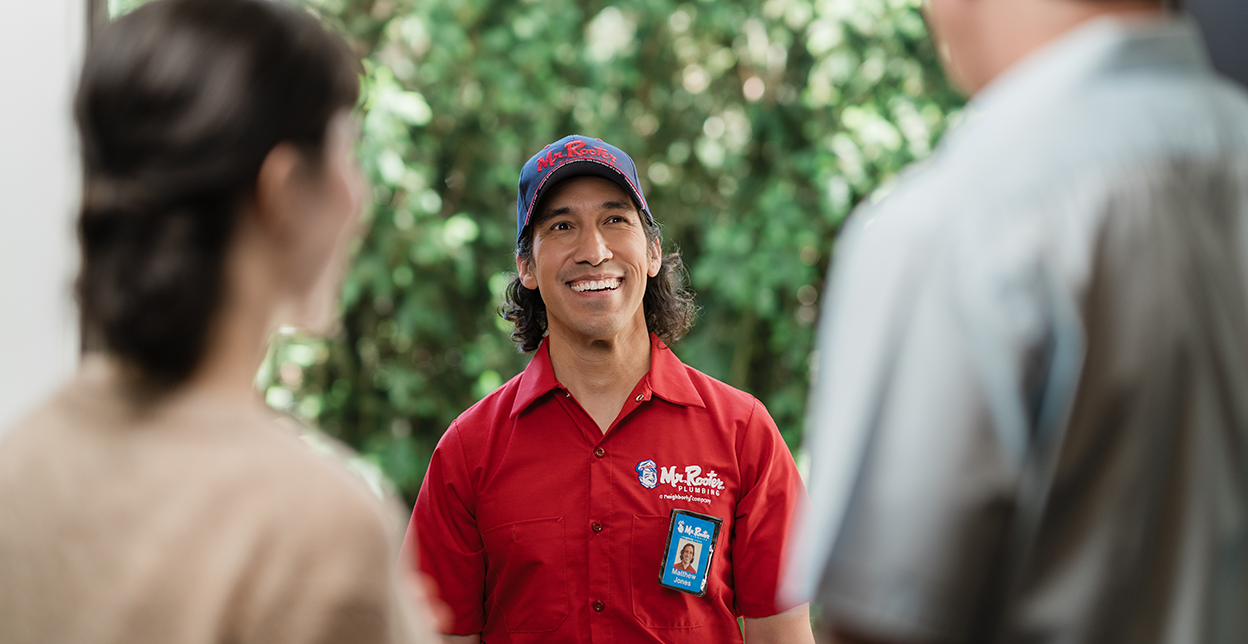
(179, 103)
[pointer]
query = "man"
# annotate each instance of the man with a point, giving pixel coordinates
(547, 506)
(685, 564)
(1032, 398)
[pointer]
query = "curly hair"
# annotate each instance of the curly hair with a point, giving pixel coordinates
(668, 304)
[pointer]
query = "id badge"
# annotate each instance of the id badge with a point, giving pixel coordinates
(691, 540)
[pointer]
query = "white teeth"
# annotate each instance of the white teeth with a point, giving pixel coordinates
(597, 285)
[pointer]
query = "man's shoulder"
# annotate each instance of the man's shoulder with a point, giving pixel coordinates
(486, 413)
(996, 169)
(721, 398)
(709, 384)
(1123, 123)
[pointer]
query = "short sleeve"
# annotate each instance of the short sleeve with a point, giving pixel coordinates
(932, 355)
(771, 490)
(444, 535)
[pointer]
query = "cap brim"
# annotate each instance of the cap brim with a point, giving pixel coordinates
(587, 168)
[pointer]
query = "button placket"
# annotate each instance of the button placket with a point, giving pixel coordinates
(602, 570)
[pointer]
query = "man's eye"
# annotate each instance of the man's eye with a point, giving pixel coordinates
(562, 225)
(617, 219)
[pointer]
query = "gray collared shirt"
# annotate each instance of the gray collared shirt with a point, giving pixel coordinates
(1030, 417)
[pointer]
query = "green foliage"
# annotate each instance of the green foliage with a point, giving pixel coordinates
(755, 127)
(119, 7)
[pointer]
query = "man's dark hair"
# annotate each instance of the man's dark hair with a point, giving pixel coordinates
(178, 105)
(668, 305)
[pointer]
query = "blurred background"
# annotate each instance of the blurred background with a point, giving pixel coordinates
(756, 127)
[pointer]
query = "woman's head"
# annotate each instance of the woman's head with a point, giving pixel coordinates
(184, 108)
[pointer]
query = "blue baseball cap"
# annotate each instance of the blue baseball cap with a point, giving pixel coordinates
(574, 156)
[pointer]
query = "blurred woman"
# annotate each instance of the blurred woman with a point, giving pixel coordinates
(154, 498)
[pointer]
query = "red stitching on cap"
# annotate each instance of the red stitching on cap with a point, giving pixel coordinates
(578, 149)
(574, 148)
(528, 213)
(548, 160)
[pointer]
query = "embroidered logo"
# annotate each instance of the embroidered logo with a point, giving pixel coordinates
(572, 150)
(648, 474)
(692, 479)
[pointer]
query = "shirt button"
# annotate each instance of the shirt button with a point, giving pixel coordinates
(600, 452)
(596, 526)
(640, 397)
(599, 606)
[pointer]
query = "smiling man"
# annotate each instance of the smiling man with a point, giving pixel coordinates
(548, 507)
(686, 559)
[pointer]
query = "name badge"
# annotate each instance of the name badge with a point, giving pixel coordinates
(691, 540)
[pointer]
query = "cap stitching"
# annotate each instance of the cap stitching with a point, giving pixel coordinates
(528, 212)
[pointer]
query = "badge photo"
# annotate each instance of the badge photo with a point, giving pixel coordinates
(691, 539)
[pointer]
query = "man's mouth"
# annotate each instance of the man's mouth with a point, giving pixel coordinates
(593, 286)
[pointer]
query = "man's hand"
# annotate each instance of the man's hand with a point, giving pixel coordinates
(790, 627)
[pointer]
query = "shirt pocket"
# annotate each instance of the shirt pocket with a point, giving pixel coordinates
(528, 563)
(654, 605)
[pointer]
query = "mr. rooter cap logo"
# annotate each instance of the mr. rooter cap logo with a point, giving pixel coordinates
(572, 156)
(574, 150)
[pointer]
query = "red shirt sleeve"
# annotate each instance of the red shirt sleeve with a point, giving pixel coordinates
(448, 542)
(771, 491)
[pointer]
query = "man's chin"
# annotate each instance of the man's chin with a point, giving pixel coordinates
(607, 331)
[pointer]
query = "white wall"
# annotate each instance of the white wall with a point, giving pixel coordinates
(41, 44)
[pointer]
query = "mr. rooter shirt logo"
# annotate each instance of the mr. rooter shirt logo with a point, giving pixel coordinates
(685, 484)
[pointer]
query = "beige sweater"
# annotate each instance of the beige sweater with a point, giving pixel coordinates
(189, 520)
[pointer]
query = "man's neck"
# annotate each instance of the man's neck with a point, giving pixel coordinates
(1014, 30)
(601, 373)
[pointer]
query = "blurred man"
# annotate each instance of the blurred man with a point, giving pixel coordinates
(547, 507)
(1031, 411)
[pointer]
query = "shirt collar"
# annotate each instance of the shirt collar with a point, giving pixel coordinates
(537, 380)
(668, 378)
(1098, 48)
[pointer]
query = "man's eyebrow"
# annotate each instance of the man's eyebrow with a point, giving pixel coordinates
(564, 210)
(547, 214)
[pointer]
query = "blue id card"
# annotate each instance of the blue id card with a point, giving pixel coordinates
(691, 540)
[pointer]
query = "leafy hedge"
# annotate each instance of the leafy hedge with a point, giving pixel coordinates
(756, 128)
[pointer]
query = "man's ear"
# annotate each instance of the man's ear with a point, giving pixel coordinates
(525, 268)
(656, 259)
(275, 188)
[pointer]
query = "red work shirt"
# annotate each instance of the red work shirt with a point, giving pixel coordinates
(538, 527)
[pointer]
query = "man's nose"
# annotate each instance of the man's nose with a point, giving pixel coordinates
(592, 248)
